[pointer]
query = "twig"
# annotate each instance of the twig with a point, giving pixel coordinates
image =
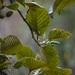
(24, 19)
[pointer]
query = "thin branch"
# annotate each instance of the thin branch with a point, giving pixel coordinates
(24, 19)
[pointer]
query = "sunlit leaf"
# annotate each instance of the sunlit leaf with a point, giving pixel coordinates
(13, 6)
(38, 18)
(32, 63)
(56, 34)
(21, 2)
(57, 71)
(12, 45)
(51, 56)
(62, 4)
(25, 52)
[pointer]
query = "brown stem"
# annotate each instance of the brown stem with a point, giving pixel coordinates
(24, 19)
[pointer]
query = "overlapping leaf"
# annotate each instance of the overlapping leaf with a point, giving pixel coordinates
(51, 56)
(57, 71)
(56, 4)
(25, 52)
(12, 45)
(38, 18)
(61, 4)
(57, 34)
(17, 65)
(1, 40)
(21, 2)
(31, 63)
(13, 6)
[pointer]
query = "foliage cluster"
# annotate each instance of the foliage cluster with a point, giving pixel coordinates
(38, 20)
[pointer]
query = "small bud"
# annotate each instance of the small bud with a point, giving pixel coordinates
(37, 57)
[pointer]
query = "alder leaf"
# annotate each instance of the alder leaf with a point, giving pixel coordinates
(62, 4)
(21, 2)
(32, 63)
(56, 4)
(17, 65)
(13, 6)
(50, 56)
(1, 3)
(1, 40)
(12, 45)
(56, 34)
(38, 18)
(25, 52)
(57, 71)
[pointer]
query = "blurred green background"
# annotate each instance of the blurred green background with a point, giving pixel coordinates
(66, 20)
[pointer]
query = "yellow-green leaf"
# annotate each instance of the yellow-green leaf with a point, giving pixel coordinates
(32, 63)
(57, 71)
(51, 56)
(56, 34)
(62, 4)
(17, 65)
(1, 40)
(13, 6)
(12, 45)
(21, 2)
(25, 52)
(38, 18)
(56, 4)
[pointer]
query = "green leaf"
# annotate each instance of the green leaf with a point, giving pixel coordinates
(12, 45)
(4, 65)
(32, 63)
(56, 34)
(56, 4)
(62, 4)
(17, 65)
(25, 52)
(1, 40)
(38, 18)
(13, 6)
(57, 71)
(51, 56)
(21, 2)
